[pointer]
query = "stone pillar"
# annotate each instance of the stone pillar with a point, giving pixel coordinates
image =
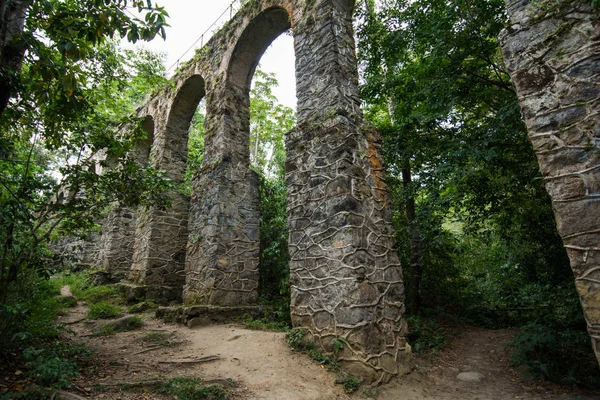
(119, 225)
(161, 235)
(159, 251)
(553, 56)
(116, 243)
(222, 257)
(345, 275)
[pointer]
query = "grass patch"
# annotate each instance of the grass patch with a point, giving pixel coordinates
(158, 338)
(103, 310)
(265, 325)
(96, 294)
(83, 289)
(111, 327)
(191, 388)
(350, 383)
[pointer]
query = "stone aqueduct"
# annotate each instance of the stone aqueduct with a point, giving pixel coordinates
(345, 275)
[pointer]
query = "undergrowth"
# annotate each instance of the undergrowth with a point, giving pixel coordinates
(32, 346)
(426, 336)
(83, 288)
(556, 354)
(263, 324)
(295, 339)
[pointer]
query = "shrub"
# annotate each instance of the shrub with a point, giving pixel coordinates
(55, 363)
(555, 354)
(294, 338)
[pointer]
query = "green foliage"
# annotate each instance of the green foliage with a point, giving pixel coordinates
(49, 368)
(425, 335)
(273, 254)
(103, 310)
(558, 355)
(29, 394)
(350, 383)
(191, 388)
(269, 122)
(28, 312)
(195, 155)
(75, 88)
(294, 338)
(338, 344)
(458, 153)
(51, 182)
(95, 294)
(50, 362)
(325, 360)
(82, 287)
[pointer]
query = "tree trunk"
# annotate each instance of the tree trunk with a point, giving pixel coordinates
(12, 19)
(414, 301)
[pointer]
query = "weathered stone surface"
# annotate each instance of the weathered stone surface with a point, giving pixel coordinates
(470, 377)
(345, 276)
(552, 56)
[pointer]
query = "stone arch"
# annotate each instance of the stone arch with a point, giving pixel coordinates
(182, 110)
(119, 225)
(222, 258)
(258, 35)
(161, 235)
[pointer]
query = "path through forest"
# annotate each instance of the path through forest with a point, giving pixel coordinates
(264, 367)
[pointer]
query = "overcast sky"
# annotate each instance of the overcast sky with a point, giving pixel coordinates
(188, 19)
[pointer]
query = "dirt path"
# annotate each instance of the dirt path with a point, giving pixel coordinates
(482, 351)
(265, 368)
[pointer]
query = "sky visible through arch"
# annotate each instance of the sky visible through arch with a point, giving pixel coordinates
(188, 19)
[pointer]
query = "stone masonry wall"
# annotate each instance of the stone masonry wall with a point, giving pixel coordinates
(346, 279)
(553, 55)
